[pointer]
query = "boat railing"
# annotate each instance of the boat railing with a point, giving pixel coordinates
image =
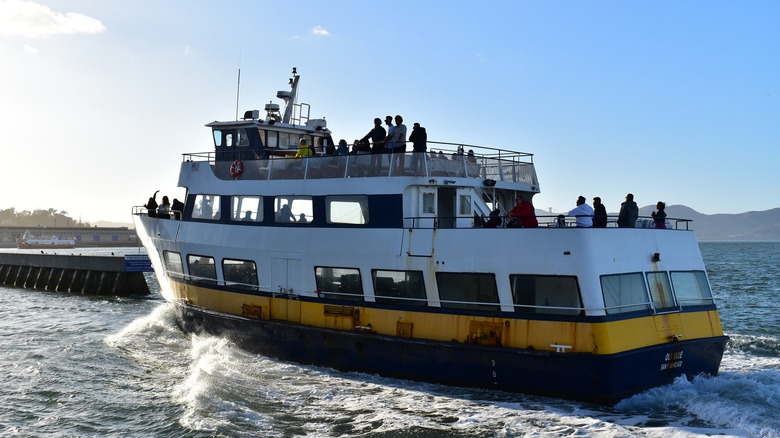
(446, 160)
(545, 221)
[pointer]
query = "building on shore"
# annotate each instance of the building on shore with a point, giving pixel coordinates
(85, 236)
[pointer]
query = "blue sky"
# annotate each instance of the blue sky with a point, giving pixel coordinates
(672, 101)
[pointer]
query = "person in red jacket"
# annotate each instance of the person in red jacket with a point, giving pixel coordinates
(522, 215)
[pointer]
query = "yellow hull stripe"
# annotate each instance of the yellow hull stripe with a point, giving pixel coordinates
(571, 337)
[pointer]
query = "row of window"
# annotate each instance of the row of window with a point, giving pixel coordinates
(531, 294)
(349, 209)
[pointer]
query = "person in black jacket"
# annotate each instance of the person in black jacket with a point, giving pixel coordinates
(599, 214)
(419, 139)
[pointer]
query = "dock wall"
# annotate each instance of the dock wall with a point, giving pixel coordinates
(89, 275)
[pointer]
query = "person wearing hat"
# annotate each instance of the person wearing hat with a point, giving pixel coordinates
(629, 212)
(599, 213)
(583, 212)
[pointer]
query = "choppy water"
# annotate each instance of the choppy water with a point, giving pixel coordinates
(84, 366)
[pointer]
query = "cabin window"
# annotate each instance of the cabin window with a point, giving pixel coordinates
(247, 209)
(399, 287)
(202, 269)
(242, 138)
(218, 138)
(340, 283)
(471, 291)
(293, 209)
(429, 203)
(288, 141)
(206, 207)
(173, 264)
(546, 294)
(464, 205)
(691, 288)
(661, 291)
(624, 293)
(240, 273)
(346, 209)
(273, 139)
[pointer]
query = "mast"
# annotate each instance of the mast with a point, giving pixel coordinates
(289, 96)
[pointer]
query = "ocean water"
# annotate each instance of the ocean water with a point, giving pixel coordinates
(73, 365)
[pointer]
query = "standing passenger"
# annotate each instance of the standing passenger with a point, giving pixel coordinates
(583, 213)
(659, 217)
(629, 213)
(599, 213)
(419, 139)
(399, 142)
(377, 136)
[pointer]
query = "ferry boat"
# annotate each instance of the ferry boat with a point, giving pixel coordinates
(379, 263)
(29, 241)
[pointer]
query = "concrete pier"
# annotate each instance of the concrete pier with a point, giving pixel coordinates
(84, 274)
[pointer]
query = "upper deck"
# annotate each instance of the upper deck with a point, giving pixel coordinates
(446, 160)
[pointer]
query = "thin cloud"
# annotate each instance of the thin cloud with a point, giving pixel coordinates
(29, 19)
(319, 31)
(30, 49)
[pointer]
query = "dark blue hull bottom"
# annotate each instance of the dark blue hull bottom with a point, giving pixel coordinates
(603, 379)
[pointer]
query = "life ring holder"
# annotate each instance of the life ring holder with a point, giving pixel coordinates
(236, 169)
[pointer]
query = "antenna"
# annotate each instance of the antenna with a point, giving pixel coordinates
(238, 91)
(238, 85)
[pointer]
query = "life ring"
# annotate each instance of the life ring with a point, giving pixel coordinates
(236, 169)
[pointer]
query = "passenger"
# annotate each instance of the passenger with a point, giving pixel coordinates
(583, 212)
(177, 207)
(205, 210)
(599, 213)
(303, 149)
(151, 205)
(342, 149)
(629, 213)
(390, 132)
(377, 136)
(660, 216)
(247, 216)
(493, 221)
(328, 142)
(470, 157)
(399, 143)
(522, 215)
(164, 210)
(330, 150)
(302, 218)
(285, 214)
(441, 156)
(419, 139)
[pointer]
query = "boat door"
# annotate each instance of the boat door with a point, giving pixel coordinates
(420, 233)
(465, 216)
(286, 275)
(286, 272)
(445, 204)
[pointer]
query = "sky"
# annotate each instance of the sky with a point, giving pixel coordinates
(674, 101)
